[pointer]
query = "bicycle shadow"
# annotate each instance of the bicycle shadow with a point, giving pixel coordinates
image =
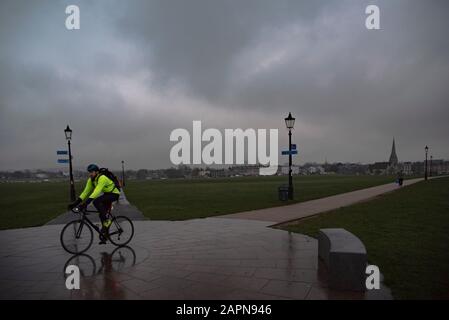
(110, 265)
(119, 259)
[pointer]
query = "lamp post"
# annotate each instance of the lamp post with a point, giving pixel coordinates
(123, 173)
(290, 122)
(425, 168)
(430, 167)
(68, 136)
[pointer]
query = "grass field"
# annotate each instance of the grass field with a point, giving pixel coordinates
(187, 199)
(406, 234)
(34, 204)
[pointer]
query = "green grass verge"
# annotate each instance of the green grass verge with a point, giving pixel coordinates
(406, 234)
(187, 199)
(32, 204)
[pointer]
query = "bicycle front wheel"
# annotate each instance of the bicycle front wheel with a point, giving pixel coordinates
(121, 231)
(76, 237)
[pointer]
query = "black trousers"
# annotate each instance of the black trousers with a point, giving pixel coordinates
(103, 202)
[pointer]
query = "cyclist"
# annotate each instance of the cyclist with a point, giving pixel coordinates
(95, 186)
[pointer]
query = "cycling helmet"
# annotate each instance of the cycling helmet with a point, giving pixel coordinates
(92, 168)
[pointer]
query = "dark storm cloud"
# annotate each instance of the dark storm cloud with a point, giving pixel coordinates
(335, 74)
(196, 41)
(138, 69)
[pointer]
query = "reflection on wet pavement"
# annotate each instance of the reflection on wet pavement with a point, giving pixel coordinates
(209, 258)
(107, 267)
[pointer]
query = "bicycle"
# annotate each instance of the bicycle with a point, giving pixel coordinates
(77, 236)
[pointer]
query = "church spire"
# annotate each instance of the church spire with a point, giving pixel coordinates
(393, 157)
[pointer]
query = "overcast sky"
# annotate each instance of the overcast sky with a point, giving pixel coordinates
(136, 70)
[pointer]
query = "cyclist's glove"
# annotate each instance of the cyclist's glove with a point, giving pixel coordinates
(84, 205)
(74, 204)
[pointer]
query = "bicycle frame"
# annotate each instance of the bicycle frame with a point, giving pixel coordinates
(85, 219)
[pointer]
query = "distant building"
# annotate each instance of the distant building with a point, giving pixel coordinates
(203, 173)
(407, 168)
(316, 170)
(418, 167)
(379, 167)
(284, 170)
(390, 167)
(393, 162)
(217, 173)
(439, 167)
(244, 170)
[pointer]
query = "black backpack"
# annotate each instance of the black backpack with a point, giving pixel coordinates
(110, 175)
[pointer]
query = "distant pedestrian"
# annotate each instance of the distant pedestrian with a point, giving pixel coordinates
(400, 179)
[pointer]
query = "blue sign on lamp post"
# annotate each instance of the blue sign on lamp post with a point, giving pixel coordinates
(60, 153)
(286, 153)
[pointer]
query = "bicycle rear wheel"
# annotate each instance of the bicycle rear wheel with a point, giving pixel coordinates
(76, 237)
(122, 257)
(121, 231)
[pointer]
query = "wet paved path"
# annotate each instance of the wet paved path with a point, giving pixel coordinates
(312, 207)
(209, 258)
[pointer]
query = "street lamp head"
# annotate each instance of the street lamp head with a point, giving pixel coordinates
(68, 133)
(290, 121)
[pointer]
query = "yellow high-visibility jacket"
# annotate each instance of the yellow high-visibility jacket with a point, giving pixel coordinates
(100, 184)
